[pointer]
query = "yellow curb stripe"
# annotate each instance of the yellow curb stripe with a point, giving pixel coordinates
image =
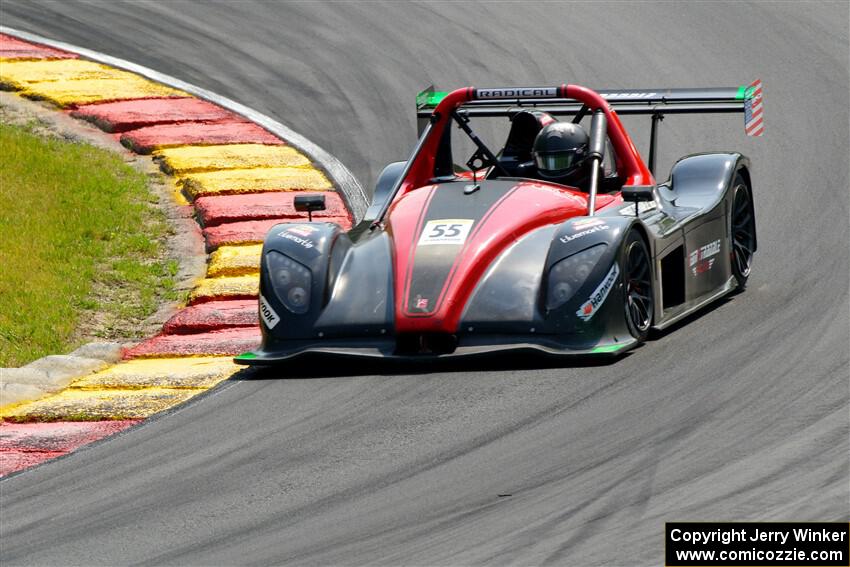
(18, 75)
(233, 181)
(214, 288)
(87, 405)
(129, 390)
(235, 261)
(65, 93)
(189, 372)
(193, 159)
(176, 191)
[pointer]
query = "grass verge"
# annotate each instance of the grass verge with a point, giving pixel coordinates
(81, 245)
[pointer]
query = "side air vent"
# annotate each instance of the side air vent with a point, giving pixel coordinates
(673, 278)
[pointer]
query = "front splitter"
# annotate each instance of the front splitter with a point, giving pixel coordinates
(468, 347)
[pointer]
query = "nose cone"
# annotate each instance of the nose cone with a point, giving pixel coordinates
(444, 240)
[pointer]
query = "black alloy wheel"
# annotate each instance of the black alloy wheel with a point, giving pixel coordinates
(743, 232)
(637, 286)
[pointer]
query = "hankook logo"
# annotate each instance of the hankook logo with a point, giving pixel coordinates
(597, 298)
(270, 318)
(519, 92)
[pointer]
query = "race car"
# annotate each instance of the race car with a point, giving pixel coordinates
(461, 258)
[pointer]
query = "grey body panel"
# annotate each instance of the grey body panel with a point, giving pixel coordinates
(690, 216)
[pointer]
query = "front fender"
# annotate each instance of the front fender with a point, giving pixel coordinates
(594, 308)
(310, 245)
(513, 296)
(351, 288)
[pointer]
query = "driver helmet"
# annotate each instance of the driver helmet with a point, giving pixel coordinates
(560, 150)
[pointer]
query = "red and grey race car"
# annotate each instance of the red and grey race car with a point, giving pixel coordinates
(501, 253)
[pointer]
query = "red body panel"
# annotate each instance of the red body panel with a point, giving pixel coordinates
(529, 205)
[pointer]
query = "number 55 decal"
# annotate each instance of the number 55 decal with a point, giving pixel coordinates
(445, 231)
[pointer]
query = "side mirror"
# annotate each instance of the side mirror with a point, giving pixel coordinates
(638, 193)
(310, 203)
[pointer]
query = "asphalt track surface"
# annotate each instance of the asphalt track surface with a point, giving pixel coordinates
(739, 414)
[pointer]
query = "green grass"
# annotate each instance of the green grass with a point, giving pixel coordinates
(81, 246)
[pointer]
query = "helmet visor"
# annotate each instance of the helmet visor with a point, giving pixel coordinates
(555, 163)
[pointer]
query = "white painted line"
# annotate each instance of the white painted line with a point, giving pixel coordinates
(352, 192)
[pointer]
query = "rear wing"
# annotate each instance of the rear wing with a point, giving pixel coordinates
(746, 99)
(506, 101)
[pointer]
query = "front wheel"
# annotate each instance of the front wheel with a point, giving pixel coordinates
(637, 286)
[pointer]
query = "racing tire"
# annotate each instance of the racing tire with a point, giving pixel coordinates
(743, 231)
(638, 302)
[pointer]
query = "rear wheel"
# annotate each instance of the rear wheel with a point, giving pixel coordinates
(637, 286)
(743, 227)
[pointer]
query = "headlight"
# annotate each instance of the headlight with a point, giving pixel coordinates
(291, 281)
(568, 275)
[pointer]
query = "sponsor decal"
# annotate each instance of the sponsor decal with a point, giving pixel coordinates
(584, 223)
(701, 260)
(702, 267)
(599, 295)
(445, 231)
(590, 230)
(299, 233)
(305, 242)
(519, 92)
(643, 206)
(267, 314)
(614, 96)
(304, 230)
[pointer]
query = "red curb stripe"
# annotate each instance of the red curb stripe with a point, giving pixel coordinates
(233, 297)
(13, 461)
(14, 48)
(132, 114)
(221, 342)
(215, 210)
(23, 445)
(254, 231)
(145, 140)
(213, 315)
